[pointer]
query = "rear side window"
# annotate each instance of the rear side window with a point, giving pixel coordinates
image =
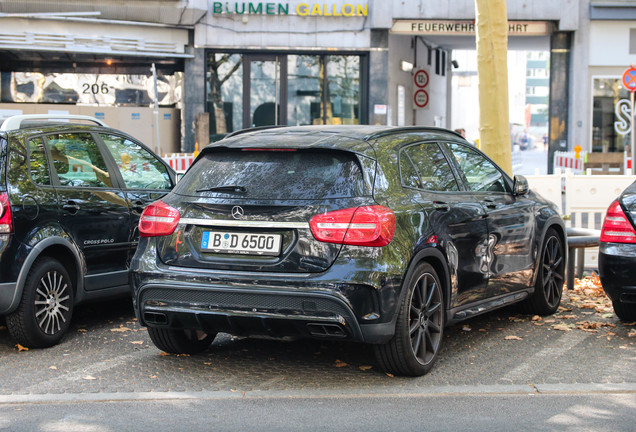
(424, 166)
(302, 174)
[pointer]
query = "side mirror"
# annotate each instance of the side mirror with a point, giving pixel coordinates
(520, 186)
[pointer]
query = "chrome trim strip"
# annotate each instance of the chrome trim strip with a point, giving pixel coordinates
(243, 223)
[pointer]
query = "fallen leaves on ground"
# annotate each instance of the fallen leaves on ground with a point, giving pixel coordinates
(120, 329)
(340, 363)
(21, 348)
(512, 337)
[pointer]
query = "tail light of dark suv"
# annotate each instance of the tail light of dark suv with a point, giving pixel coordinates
(158, 219)
(358, 226)
(6, 220)
(616, 228)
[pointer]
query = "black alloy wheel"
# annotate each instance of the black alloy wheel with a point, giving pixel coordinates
(550, 277)
(419, 328)
(177, 341)
(45, 311)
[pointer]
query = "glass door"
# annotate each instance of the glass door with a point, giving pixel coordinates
(264, 90)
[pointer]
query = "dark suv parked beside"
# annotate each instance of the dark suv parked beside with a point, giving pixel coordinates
(361, 233)
(70, 199)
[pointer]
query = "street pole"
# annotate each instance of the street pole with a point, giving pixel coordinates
(156, 107)
(633, 138)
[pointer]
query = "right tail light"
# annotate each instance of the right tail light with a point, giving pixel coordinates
(616, 226)
(358, 226)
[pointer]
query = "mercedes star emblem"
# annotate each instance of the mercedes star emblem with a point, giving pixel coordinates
(237, 212)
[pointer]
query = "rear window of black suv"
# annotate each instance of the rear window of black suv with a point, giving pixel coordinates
(274, 174)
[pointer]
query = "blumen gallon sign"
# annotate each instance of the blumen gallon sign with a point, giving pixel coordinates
(301, 9)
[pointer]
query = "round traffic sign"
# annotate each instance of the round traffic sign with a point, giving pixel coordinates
(420, 98)
(629, 78)
(421, 78)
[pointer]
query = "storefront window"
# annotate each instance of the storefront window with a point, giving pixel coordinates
(225, 93)
(305, 90)
(90, 89)
(344, 89)
(610, 125)
(292, 89)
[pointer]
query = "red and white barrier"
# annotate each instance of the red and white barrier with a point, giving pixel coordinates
(568, 160)
(179, 162)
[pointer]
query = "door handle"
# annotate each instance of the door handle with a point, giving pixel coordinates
(71, 207)
(138, 206)
(490, 203)
(441, 206)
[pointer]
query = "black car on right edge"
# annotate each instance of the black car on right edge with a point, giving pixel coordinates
(617, 254)
(361, 233)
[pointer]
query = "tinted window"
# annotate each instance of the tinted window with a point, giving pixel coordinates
(481, 174)
(138, 167)
(77, 160)
(38, 164)
(424, 166)
(275, 175)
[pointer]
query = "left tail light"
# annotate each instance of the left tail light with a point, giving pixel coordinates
(358, 226)
(158, 219)
(6, 221)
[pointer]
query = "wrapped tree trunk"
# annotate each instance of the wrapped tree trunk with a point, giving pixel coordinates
(492, 68)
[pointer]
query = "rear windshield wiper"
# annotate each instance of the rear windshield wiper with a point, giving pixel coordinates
(226, 188)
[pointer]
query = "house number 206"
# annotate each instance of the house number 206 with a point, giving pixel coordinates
(95, 88)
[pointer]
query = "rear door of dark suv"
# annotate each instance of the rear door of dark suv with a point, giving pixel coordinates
(249, 209)
(92, 208)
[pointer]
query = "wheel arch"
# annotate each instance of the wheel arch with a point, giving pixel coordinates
(437, 260)
(557, 224)
(57, 248)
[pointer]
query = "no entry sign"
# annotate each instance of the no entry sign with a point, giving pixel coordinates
(420, 98)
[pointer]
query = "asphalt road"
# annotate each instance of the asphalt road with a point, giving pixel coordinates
(106, 373)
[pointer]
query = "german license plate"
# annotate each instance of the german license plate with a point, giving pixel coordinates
(241, 243)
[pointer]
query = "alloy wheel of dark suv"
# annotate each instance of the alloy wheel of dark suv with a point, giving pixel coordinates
(360, 233)
(70, 199)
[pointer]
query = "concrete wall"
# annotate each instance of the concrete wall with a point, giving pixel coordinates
(138, 122)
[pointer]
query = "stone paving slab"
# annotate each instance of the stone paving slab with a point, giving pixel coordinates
(107, 352)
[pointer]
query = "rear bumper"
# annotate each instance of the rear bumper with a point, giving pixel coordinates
(258, 304)
(268, 312)
(617, 271)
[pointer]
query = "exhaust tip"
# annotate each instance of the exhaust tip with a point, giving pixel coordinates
(155, 318)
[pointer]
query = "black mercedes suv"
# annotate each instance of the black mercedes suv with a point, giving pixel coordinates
(361, 233)
(70, 198)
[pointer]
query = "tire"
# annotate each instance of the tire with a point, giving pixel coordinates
(419, 328)
(550, 278)
(45, 310)
(625, 311)
(187, 341)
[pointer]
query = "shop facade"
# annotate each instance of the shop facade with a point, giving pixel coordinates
(240, 64)
(612, 49)
(109, 65)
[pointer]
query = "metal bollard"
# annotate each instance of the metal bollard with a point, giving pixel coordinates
(579, 238)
